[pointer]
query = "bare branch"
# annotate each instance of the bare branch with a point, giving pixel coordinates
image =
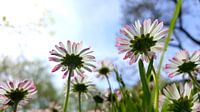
(180, 46)
(174, 45)
(183, 30)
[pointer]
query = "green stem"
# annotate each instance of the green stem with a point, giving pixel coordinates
(120, 83)
(109, 84)
(96, 105)
(15, 107)
(171, 28)
(194, 80)
(156, 85)
(110, 88)
(67, 94)
(79, 101)
(156, 80)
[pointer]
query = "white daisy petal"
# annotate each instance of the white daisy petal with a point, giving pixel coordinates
(142, 40)
(26, 89)
(74, 59)
(85, 85)
(183, 63)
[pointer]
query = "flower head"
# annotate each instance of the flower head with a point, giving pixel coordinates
(82, 85)
(72, 57)
(182, 63)
(54, 107)
(141, 40)
(16, 92)
(180, 97)
(98, 98)
(104, 68)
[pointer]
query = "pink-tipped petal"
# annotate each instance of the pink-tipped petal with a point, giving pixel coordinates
(65, 74)
(56, 68)
(54, 59)
(171, 75)
(167, 66)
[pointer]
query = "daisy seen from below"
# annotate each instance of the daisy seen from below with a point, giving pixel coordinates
(104, 68)
(16, 93)
(184, 64)
(142, 40)
(82, 86)
(53, 107)
(72, 58)
(98, 99)
(180, 97)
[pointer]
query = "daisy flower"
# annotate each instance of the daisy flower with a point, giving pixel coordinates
(54, 107)
(182, 63)
(104, 68)
(72, 58)
(98, 98)
(14, 93)
(141, 40)
(180, 97)
(196, 107)
(82, 85)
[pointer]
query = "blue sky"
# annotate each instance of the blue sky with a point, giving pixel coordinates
(96, 23)
(93, 22)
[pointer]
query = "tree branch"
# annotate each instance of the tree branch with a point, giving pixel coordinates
(174, 45)
(183, 30)
(180, 46)
(189, 36)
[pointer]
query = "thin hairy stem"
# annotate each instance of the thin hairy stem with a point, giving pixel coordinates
(156, 81)
(15, 107)
(171, 28)
(67, 94)
(110, 88)
(194, 80)
(156, 85)
(96, 105)
(79, 101)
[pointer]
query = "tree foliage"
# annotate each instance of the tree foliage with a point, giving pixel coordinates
(186, 28)
(21, 69)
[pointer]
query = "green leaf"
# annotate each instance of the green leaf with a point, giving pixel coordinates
(149, 70)
(171, 28)
(119, 79)
(145, 87)
(165, 105)
(144, 79)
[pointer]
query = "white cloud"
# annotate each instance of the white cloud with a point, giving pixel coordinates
(93, 22)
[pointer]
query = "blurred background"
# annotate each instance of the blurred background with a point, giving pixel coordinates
(29, 29)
